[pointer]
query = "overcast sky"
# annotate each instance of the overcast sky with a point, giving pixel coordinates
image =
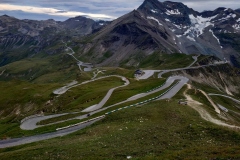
(96, 9)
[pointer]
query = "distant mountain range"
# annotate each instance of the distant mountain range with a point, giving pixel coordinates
(163, 27)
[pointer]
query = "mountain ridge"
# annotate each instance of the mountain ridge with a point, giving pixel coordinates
(185, 30)
(164, 27)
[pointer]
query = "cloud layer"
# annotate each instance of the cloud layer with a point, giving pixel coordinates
(96, 9)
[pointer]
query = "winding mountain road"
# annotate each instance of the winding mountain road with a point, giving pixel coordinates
(168, 83)
(64, 89)
(79, 63)
(30, 124)
(235, 100)
(148, 73)
(108, 95)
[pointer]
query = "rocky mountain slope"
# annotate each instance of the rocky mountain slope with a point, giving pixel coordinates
(155, 27)
(167, 27)
(24, 38)
(194, 32)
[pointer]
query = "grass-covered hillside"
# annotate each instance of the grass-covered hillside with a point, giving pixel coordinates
(158, 130)
(155, 130)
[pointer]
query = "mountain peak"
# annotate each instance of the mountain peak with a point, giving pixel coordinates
(167, 7)
(151, 4)
(152, 1)
(6, 16)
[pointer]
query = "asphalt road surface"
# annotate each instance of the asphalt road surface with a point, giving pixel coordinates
(31, 124)
(40, 137)
(185, 68)
(169, 82)
(176, 88)
(235, 100)
(148, 73)
(108, 95)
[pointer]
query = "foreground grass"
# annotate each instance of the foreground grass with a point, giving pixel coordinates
(158, 130)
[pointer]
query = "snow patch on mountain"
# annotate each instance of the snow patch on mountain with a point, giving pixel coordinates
(175, 11)
(198, 24)
(190, 38)
(231, 16)
(179, 27)
(152, 18)
(167, 20)
(236, 26)
(228, 17)
(214, 36)
(154, 11)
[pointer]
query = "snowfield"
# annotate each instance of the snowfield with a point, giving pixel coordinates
(175, 11)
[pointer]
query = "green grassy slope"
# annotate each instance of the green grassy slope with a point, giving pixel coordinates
(57, 68)
(158, 130)
(166, 61)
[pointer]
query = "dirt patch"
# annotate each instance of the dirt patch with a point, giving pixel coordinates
(203, 113)
(210, 100)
